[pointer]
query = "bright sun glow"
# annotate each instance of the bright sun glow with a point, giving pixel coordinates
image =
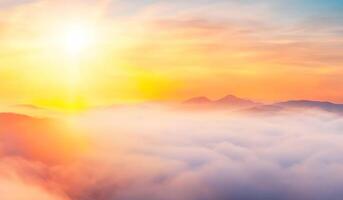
(78, 38)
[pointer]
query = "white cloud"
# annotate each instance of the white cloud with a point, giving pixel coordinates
(147, 153)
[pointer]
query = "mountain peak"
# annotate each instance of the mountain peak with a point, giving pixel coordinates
(235, 101)
(227, 101)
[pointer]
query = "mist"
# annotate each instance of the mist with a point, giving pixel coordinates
(163, 153)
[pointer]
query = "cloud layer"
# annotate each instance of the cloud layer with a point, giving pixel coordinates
(157, 153)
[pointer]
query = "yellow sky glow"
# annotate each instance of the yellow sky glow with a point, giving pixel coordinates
(86, 57)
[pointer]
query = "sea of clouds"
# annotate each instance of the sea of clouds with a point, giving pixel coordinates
(155, 153)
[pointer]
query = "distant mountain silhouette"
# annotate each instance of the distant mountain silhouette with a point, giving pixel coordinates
(229, 101)
(246, 105)
(265, 109)
(235, 101)
(323, 105)
(299, 104)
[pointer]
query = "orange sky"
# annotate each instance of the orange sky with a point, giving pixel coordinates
(137, 51)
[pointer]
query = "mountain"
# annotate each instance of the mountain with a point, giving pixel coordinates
(232, 100)
(265, 109)
(246, 105)
(298, 104)
(322, 105)
(229, 101)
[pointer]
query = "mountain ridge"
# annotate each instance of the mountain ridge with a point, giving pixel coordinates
(252, 106)
(228, 100)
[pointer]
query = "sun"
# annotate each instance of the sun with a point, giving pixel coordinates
(74, 43)
(77, 38)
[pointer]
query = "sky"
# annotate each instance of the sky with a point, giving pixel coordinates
(75, 54)
(74, 74)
